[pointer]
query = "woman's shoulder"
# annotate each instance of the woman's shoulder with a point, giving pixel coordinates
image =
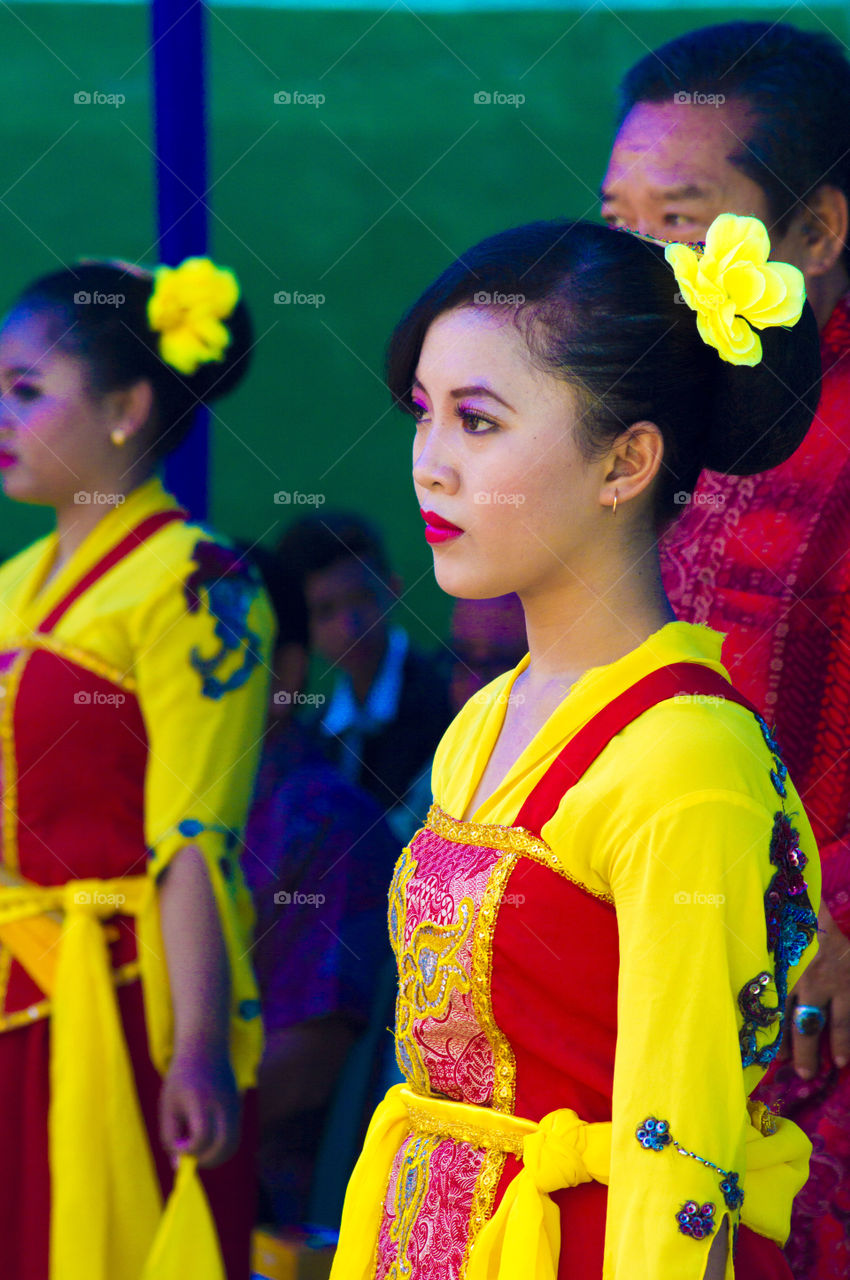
(687, 766)
(690, 745)
(188, 558)
(190, 574)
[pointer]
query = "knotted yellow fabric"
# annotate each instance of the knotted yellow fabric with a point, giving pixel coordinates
(524, 1235)
(523, 1238)
(105, 1198)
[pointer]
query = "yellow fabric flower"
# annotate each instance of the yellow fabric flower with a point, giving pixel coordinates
(731, 286)
(187, 307)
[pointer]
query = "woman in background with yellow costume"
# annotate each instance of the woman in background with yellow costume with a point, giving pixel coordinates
(597, 924)
(134, 651)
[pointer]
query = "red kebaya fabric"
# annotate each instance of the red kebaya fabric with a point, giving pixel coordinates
(766, 559)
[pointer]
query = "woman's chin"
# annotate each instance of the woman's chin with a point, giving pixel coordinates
(13, 487)
(16, 489)
(465, 583)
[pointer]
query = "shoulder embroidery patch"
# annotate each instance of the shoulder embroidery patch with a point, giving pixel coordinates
(230, 585)
(791, 925)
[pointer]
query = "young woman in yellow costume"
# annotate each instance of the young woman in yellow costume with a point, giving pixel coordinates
(134, 649)
(598, 924)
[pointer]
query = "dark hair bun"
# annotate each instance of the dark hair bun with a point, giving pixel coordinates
(602, 311)
(102, 308)
(761, 413)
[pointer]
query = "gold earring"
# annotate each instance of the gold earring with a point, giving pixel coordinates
(118, 436)
(614, 507)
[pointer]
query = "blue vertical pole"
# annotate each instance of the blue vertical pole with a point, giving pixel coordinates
(179, 96)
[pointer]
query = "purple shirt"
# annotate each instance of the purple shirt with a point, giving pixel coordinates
(318, 859)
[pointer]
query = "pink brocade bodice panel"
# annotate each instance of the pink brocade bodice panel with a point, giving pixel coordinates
(486, 925)
(435, 901)
(425, 1225)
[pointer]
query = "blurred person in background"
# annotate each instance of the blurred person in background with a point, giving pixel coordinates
(754, 118)
(135, 647)
(318, 856)
(389, 704)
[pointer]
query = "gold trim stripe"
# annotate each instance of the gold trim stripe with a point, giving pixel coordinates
(122, 977)
(511, 839)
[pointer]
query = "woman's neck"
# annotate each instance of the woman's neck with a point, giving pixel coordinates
(593, 620)
(75, 519)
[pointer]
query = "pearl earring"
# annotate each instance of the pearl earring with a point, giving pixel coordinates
(118, 436)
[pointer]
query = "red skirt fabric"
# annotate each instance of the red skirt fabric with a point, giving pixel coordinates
(24, 1172)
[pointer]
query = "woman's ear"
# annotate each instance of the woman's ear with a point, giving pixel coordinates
(130, 408)
(632, 464)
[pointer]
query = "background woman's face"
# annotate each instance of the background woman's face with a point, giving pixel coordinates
(495, 454)
(50, 442)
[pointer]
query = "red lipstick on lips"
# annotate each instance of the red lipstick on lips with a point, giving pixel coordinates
(7, 459)
(438, 529)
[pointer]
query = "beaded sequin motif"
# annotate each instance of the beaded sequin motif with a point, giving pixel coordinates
(694, 1220)
(791, 925)
(231, 585)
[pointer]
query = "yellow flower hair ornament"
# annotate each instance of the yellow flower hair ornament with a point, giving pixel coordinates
(731, 286)
(187, 307)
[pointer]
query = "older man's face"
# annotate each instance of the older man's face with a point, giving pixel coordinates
(670, 174)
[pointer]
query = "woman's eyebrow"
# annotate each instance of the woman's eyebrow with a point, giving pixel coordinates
(478, 389)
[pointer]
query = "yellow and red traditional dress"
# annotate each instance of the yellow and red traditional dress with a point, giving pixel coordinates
(134, 687)
(592, 975)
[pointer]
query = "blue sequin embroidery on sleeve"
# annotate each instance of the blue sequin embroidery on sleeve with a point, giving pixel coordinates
(694, 1220)
(230, 585)
(791, 925)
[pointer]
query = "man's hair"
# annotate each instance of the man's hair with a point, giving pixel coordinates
(315, 543)
(797, 84)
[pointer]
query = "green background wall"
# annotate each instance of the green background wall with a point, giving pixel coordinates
(362, 199)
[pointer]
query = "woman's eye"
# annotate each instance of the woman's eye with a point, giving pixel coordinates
(418, 410)
(474, 423)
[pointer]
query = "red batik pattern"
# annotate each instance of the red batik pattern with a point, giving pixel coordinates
(766, 559)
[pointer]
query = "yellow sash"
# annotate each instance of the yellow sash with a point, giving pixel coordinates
(523, 1238)
(106, 1206)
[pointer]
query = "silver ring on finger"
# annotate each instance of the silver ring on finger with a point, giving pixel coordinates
(809, 1019)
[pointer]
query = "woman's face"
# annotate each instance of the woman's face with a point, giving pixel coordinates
(54, 440)
(495, 455)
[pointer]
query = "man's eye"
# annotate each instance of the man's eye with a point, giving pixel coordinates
(26, 391)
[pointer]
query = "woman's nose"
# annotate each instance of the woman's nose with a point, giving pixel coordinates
(434, 465)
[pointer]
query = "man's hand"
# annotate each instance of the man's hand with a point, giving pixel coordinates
(826, 984)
